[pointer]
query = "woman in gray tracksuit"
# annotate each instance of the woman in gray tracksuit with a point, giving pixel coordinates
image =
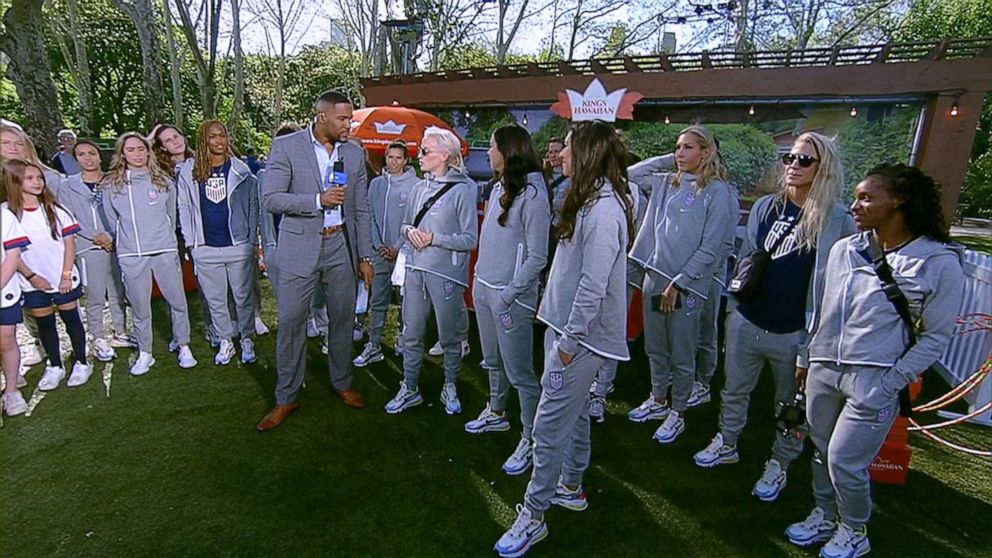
(139, 199)
(770, 328)
(218, 215)
(584, 301)
(94, 250)
(679, 245)
(513, 249)
(437, 266)
(389, 196)
(862, 353)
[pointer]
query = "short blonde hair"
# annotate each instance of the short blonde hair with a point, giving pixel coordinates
(447, 141)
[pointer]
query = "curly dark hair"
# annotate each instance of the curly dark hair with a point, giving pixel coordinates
(921, 196)
(519, 160)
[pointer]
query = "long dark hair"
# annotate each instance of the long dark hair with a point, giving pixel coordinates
(921, 198)
(597, 154)
(159, 151)
(519, 160)
(12, 182)
(201, 164)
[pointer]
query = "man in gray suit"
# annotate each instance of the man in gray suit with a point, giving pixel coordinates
(324, 238)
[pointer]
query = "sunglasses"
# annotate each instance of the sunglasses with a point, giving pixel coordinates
(805, 161)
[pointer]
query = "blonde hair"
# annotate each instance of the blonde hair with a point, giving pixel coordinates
(447, 141)
(823, 193)
(711, 167)
(116, 178)
(31, 154)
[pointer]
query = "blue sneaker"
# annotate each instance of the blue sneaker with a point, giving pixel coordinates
(521, 459)
(574, 500)
(523, 534)
(488, 421)
(651, 409)
(847, 543)
(671, 429)
(814, 529)
(404, 399)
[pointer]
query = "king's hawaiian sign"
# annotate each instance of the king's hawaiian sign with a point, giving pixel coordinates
(595, 103)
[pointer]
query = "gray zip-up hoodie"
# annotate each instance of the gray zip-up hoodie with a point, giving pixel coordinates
(585, 301)
(858, 325)
(523, 241)
(838, 226)
(143, 216)
(685, 232)
(242, 204)
(389, 196)
(453, 219)
(85, 207)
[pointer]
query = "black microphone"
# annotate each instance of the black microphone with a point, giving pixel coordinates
(339, 178)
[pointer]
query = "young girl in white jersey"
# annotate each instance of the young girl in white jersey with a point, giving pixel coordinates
(48, 275)
(12, 240)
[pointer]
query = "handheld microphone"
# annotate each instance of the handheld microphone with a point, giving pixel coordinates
(339, 178)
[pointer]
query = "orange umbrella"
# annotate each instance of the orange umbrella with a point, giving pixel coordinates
(378, 127)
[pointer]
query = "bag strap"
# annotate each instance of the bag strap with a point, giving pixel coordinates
(430, 203)
(901, 304)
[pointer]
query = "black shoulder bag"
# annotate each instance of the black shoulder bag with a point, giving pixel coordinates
(901, 304)
(749, 271)
(430, 203)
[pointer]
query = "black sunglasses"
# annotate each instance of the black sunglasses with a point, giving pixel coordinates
(805, 161)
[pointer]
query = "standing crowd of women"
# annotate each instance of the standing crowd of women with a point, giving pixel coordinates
(815, 312)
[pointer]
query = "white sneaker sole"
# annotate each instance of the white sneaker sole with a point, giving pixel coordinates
(499, 427)
(363, 363)
(723, 460)
(650, 417)
(671, 438)
(697, 402)
(406, 405)
(771, 497)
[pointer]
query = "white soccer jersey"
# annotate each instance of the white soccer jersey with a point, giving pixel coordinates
(12, 236)
(47, 254)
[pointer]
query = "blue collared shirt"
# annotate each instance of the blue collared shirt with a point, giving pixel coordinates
(325, 163)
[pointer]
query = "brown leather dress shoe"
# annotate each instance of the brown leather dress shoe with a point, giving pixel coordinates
(275, 417)
(352, 398)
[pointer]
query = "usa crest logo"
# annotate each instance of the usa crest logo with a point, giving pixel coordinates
(883, 415)
(152, 195)
(691, 302)
(506, 320)
(556, 380)
(690, 199)
(449, 288)
(216, 189)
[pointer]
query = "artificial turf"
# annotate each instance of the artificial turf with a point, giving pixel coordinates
(169, 464)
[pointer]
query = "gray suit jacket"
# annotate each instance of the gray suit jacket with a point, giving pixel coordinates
(290, 187)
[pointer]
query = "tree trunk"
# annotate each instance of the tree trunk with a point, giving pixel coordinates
(280, 80)
(174, 69)
(24, 44)
(142, 13)
(239, 69)
(83, 83)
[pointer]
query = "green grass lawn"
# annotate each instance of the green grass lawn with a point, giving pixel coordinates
(170, 464)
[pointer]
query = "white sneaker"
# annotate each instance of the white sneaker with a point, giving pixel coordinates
(651, 409)
(80, 374)
(102, 350)
(670, 430)
(371, 353)
(594, 387)
(21, 382)
(186, 359)
(597, 408)
(771, 483)
(574, 500)
(224, 354)
(143, 364)
(700, 394)
(717, 453)
(248, 351)
(847, 543)
(51, 379)
(358, 333)
(488, 421)
(815, 528)
(14, 404)
(174, 345)
(521, 459)
(122, 341)
(404, 399)
(449, 396)
(524, 533)
(260, 327)
(436, 350)
(32, 354)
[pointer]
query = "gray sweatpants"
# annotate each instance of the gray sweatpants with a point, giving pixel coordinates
(561, 426)
(608, 372)
(102, 278)
(138, 272)
(507, 340)
(421, 291)
(709, 351)
(335, 277)
(749, 348)
(382, 291)
(849, 414)
(223, 272)
(670, 341)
